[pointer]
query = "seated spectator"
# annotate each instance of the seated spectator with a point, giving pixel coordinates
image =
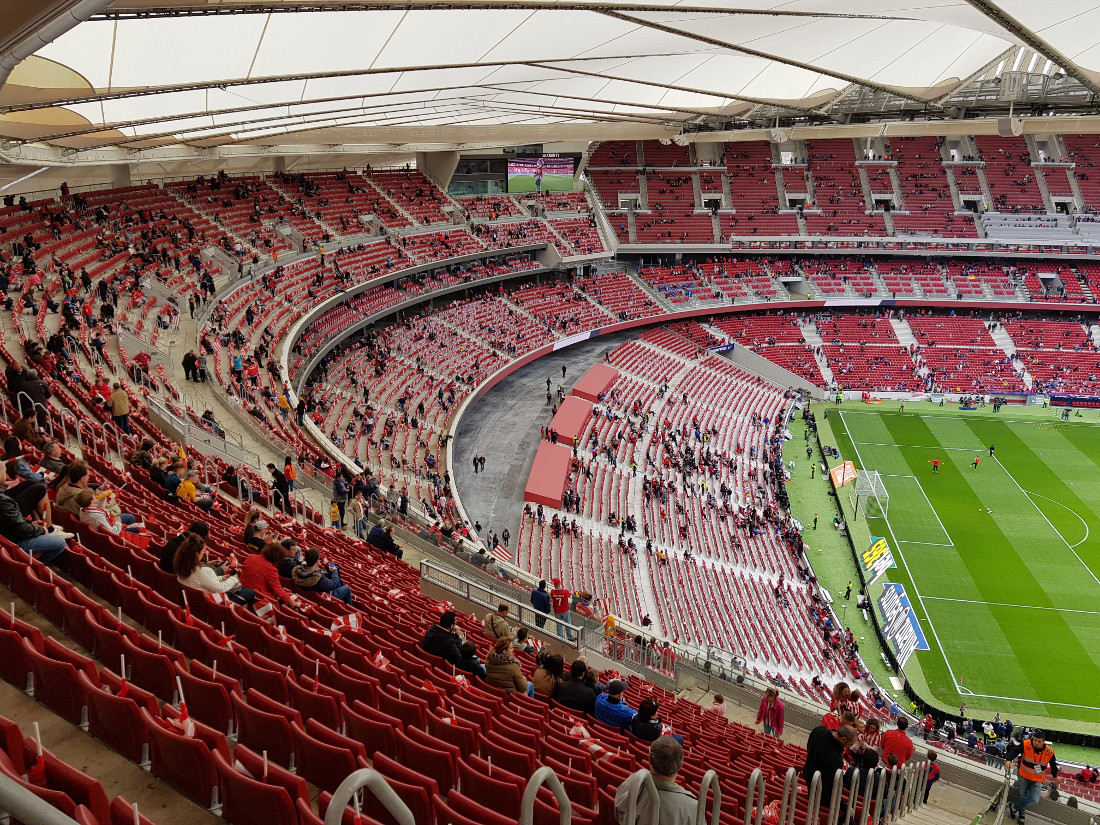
(167, 553)
(1087, 774)
(260, 574)
(496, 624)
(99, 508)
(573, 693)
(173, 477)
(470, 662)
(675, 805)
(503, 669)
(17, 463)
(52, 462)
(158, 473)
(257, 533)
(188, 491)
(292, 557)
(381, 536)
(444, 639)
(717, 708)
(548, 674)
(39, 541)
(611, 708)
(143, 456)
(193, 569)
(313, 576)
(647, 725)
(26, 429)
(239, 484)
(521, 643)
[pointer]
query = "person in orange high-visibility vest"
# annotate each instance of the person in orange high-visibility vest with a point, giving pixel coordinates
(1034, 757)
(290, 473)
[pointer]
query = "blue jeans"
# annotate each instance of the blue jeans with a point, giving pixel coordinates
(567, 618)
(343, 593)
(1029, 791)
(246, 595)
(531, 689)
(45, 548)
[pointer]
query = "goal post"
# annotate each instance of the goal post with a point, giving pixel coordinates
(871, 495)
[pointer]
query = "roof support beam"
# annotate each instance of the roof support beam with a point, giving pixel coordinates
(1026, 35)
(53, 22)
(723, 44)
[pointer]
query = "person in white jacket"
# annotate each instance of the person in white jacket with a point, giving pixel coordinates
(192, 572)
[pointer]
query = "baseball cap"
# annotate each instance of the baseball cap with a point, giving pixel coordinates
(556, 582)
(260, 525)
(616, 686)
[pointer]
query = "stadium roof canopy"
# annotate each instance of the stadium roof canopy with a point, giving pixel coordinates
(143, 76)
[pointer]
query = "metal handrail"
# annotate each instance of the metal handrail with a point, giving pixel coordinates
(377, 785)
(25, 806)
(754, 801)
(834, 800)
(545, 776)
(630, 816)
(709, 784)
(789, 800)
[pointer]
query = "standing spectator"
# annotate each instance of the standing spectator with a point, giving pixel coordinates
(381, 536)
(444, 639)
(311, 575)
(770, 713)
(540, 600)
(573, 693)
(559, 600)
(675, 805)
(611, 708)
(503, 669)
(35, 540)
(897, 742)
(340, 494)
(280, 488)
(496, 624)
(1033, 756)
(358, 508)
(933, 769)
(290, 473)
(825, 754)
(259, 572)
(119, 404)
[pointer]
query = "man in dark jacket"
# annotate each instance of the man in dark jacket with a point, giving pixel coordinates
(825, 753)
(443, 640)
(280, 488)
(381, 536)
(574, 693)
(312, 575)
(540, 600)
(45, 547)
(168, 552)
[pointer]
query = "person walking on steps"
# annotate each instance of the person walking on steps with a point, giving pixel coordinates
(1033, 757)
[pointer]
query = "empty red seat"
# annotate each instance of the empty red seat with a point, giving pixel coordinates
(184, 762)
(320, 763)
(262, 731)
(246, 801)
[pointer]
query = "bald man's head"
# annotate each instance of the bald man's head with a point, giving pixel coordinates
(846, 735)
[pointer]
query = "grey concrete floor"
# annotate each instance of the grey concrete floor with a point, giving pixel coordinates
(504, 427)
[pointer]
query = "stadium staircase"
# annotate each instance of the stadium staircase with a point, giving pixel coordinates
(813, 340)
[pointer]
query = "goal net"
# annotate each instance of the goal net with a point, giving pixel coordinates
(871, 496)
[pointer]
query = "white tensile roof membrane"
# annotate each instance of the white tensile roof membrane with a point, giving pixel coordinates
(118, 80)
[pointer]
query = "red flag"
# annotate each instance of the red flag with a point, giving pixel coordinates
(37, 773)
(123, 690)
(187, 618)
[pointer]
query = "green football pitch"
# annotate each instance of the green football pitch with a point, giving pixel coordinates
(550, 183)
(1001, 562)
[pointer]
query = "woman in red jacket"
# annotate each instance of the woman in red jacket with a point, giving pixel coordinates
(771, 713)
(260, 573)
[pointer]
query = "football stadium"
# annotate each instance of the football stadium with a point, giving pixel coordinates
(519, 413)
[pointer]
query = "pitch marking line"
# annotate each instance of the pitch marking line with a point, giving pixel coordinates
(1044, 515)
(1064, 507)
(916, 446)
(1021, 606)
(908, 572)
(950, 541)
